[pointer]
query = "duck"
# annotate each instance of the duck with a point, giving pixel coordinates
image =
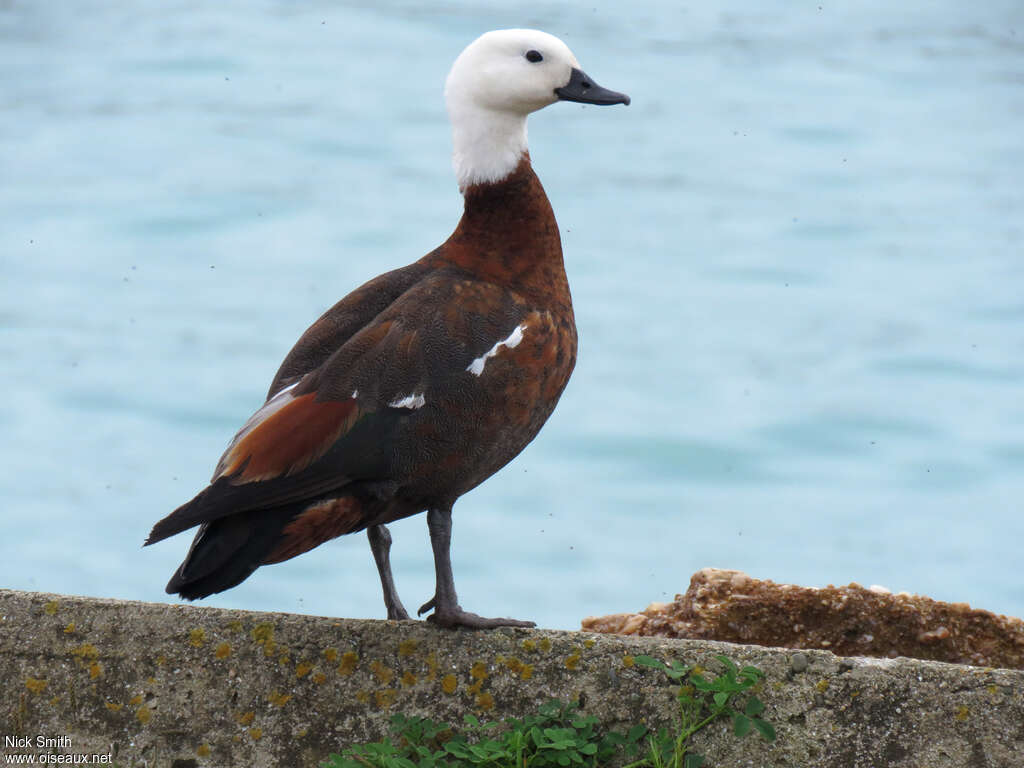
(423, 382)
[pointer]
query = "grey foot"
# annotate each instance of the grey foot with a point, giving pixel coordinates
(456, 617)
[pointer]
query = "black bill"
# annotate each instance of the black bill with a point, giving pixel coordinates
(583, 89)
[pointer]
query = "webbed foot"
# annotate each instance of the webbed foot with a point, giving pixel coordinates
(456, 617)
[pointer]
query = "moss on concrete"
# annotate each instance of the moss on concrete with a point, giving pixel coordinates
(180, 685)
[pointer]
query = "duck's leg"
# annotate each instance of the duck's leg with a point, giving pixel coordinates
(445, 603)
(380, 545)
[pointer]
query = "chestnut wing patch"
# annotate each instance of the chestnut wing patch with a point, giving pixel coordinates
(317, 523)
(288, 439)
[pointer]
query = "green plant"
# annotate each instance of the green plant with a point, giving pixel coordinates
(559, 736)
(701, 702)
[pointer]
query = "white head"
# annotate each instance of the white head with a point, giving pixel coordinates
(499, 79)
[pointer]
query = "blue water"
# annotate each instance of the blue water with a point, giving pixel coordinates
(797, 262)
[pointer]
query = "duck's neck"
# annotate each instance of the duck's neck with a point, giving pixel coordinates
(488, 144)
(508, 235)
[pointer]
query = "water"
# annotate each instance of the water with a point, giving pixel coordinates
(796, 260)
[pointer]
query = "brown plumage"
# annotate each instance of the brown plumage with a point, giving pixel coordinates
(407, 393)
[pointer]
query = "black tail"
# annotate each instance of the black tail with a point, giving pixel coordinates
(214, 502)
(226, 551)
(222, 499)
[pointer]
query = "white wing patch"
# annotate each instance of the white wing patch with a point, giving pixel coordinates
(477, 366)
(412, 402)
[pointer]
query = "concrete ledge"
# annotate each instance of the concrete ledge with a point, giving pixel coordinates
(180, 686)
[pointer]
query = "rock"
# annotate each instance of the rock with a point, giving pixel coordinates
(153, 685)
(848, 621)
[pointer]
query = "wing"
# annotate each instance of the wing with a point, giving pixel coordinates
(400, 404)
(342, 321)
(309, 439)
(268, 461)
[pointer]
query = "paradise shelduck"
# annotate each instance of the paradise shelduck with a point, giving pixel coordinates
(425, 381)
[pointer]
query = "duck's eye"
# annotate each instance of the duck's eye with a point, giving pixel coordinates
(534, 56)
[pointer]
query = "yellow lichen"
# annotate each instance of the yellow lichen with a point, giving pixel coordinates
(528, 645)
(279, 699)
(144, 715)
(478, 671)
(95, 670)
(114, 707)
(628, 661)
(35, 684)
(385, 698)
(197, 637)
(135, 700)
(203, 750)
(408, 679)
(284, 659)
(331, 654)
(407, 648)
(70, 628)
(235, 626)
(86, 651)
(545, 644)
(161, 660)
(255, 734)
(527, 672)
(349, 659)
(431, 666)
(572, 662)
(223, 651)
(302, 669)
(474, 688)
(245, 718)
(50, 608)
(263, 634)
(589, 643)
(449, 683)
(822, 685)
(319, 678)
(363, 697)
(485, 701)
(961, 714)
(383, 674)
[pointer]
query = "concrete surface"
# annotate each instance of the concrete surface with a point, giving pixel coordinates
(139, 684)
